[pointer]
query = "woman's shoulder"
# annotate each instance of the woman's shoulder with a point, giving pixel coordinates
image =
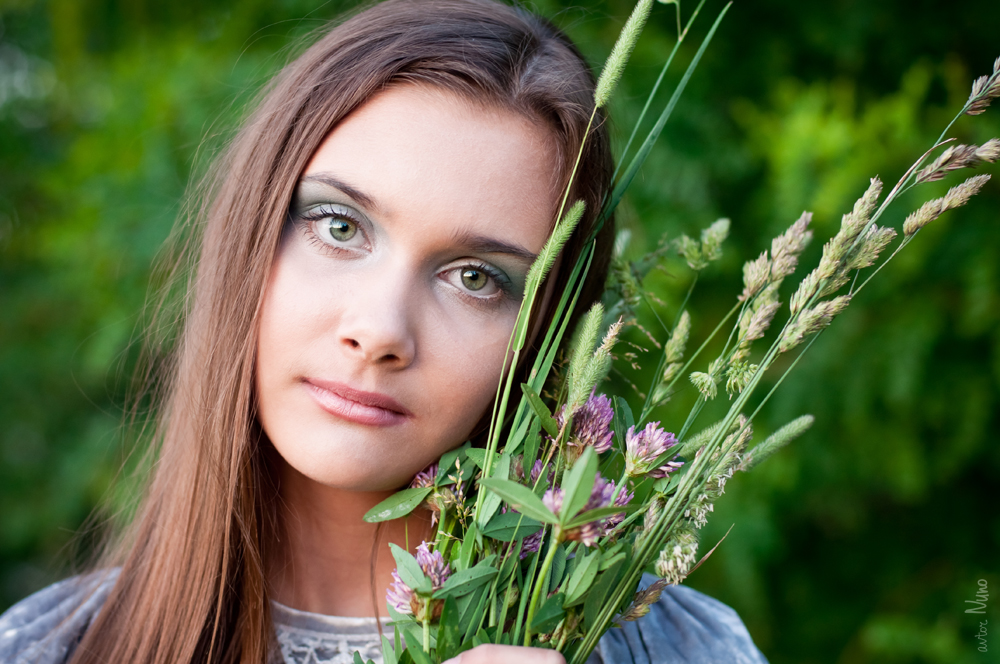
(685, 626)
(45, 627)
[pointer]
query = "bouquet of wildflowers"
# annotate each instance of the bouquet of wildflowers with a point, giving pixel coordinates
(543, 534)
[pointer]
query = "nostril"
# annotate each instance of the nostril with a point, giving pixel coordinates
(353, 343)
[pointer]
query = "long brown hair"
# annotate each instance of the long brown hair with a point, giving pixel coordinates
(192, 584)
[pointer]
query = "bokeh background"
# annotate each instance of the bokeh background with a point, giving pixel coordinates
(860, 543)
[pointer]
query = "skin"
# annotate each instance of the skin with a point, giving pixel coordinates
(400, 275)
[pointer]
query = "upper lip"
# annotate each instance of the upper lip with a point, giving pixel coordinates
(374, 399)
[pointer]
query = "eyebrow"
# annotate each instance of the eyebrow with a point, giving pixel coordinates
(489, 245)
(355, 193)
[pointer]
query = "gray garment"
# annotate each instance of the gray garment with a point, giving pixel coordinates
(684, 627)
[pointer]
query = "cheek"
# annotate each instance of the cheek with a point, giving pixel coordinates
(463, 365)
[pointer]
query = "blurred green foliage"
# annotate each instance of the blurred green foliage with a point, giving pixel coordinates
(860, 543)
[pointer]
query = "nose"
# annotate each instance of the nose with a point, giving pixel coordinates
(377, 328)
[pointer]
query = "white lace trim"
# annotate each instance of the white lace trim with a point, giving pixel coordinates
(312, 638)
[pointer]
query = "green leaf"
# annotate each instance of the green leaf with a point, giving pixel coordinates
(541, 410)
(582, 579)
(510, 526)
(520, 498)
(597, 595)
(415, 645)
(578, 484)
(468, 549)
(477, 455)
(409, 571)
(558, 568)
(548, 614)
(476, 616)
(491, 503)
(464, 582)
(531, 444)
(623, 420)
(388, 652)
(466, 605)
(448, 637)
(447, 463)
(610, 560)
(513, 557)
(397, 505)
(600, 513)
(667, 484)
(359, 660)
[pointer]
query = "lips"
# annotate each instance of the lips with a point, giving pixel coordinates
(357, 406)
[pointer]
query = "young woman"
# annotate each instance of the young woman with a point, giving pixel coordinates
(362, 255)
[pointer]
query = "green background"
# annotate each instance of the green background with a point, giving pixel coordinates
(860, 543)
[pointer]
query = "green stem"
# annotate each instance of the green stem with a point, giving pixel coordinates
(427, 636)
(541, 583)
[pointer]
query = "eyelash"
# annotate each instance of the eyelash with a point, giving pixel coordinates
(307, 220)
(505, 288)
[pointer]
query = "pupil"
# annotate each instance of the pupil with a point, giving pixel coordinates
(341, 229)
(473, 279)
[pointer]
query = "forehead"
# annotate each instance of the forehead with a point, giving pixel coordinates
(418, 148)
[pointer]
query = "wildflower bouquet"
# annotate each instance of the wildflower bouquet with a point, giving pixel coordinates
(542, 535)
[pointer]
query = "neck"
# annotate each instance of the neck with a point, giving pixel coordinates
(326, 559)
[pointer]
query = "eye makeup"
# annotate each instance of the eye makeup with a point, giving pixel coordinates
(326, 210)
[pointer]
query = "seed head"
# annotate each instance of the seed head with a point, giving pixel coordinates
(755, 276)
(956, 197)
(873, 242)
(671, 370)
(691, 251)
(760, 320)
(953, 158)
(706, 384)
(620, 53)
(678, 556)
(642, 601)
(712, 239)
(674, 349)
(811, 321)
(984, 90)
(739, 375)
(805, 291)
(989, 151)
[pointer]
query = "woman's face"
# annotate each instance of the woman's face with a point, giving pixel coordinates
(395, 289)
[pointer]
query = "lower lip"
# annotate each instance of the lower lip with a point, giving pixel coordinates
(352, 411)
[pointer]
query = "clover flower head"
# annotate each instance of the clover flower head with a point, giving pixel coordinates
(644, 447)
(433, 565)
(425, 478)
(536, 471)
(531, 544)
(591, 425)
(403, 598)
(601, 495)
(400, 596)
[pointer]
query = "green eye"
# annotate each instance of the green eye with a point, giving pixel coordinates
(474, 279)
(341, 229)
